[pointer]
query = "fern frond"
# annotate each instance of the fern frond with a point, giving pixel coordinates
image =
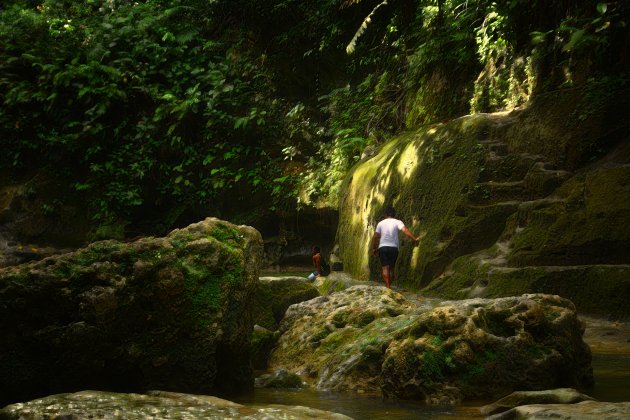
(351, 46)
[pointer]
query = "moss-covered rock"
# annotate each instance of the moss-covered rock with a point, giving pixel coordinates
(425, 175)
(585, 410)
(573, 244)
(169, 313)
(263, 341)
(486, 348)
(497, 211)
(275, 294)
(373, 341)
(589, 223)
(155, 404)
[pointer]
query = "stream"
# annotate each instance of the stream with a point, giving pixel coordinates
(609, 342)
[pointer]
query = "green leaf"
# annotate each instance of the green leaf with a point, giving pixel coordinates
(208, 159)
(576, 37)
(602, 7)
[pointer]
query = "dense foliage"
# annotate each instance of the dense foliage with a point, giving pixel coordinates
(149, 108)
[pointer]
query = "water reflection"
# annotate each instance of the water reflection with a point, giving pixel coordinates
(359, 407)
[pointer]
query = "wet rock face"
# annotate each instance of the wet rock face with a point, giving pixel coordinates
(168, 313)
(156, 404)
(372, 340)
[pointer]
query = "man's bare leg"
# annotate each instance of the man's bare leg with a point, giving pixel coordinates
(387, 276)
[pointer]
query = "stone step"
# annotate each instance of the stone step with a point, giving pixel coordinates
(541, 181)
(493, 192)
(511, 167)
(496, 148)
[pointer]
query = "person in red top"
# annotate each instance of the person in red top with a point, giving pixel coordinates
(321, 268)
(385, 243)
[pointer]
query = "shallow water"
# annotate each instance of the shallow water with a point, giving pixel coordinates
(359, 407)
(612, 383)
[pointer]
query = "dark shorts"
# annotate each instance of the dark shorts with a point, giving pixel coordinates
(388, 255)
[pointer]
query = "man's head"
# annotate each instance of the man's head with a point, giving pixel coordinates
(390, 212)
(316, 250)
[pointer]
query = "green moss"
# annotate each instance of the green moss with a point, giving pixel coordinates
(336, 340)
(538, 351)
(317, 337)
(202, 288)
(478, 368)
(227, 235)
(272, 299)
(262, 343)
(423, 175)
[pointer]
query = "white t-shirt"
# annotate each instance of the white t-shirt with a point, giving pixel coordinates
(388, 229)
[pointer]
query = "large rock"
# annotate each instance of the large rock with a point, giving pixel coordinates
(168, 313)
(505, 190)
(586, 410)
(156, 404)
(548, 396)
(574, 244)
(275, 294)
(372, 340)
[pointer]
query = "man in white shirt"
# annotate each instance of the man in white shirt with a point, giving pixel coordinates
(385, 243)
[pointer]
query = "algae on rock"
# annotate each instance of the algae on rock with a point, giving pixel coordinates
(169, 313)
(497, 210)
(425, 175)
(371, 340)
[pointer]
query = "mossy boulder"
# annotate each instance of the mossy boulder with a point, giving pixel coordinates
(275, 294)
(155, 404)
(263, 341)
(373, 341)
(336, 342)
(481, 348)
(169, 313)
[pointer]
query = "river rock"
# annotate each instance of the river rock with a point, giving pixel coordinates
(279, 379)
(275, 294)
(169, 313)
(550, 396)
(372, 340)
(586, 410)
(156, 404)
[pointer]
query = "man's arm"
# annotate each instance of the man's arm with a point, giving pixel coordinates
(410, 235)
(375, 240)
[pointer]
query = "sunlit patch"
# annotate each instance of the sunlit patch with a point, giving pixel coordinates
(408, 160)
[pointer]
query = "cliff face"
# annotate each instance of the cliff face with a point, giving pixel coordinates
(536, 200)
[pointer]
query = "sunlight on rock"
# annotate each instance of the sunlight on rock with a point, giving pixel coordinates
(408, 159)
